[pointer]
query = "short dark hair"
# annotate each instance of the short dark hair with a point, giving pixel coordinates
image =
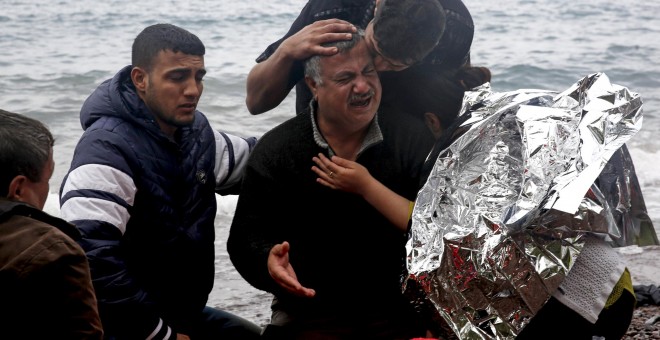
(407, 30)
(161, 37)
(25, 147)
(313, 64)
(426, 88)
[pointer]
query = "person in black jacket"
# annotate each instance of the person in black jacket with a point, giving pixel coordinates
(46, 290)
(141, 189)
(331, 260)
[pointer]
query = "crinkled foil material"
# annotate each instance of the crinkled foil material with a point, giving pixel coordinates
(503, 214)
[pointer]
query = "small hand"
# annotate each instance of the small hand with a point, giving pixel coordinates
(342, 174)
(282, 272)
(308, 41)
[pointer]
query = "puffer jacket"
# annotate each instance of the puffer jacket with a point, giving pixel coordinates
(145, 206)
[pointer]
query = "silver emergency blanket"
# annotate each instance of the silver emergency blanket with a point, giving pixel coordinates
(503, 215)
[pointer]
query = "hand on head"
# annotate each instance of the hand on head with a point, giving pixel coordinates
(308, 41)
(282, 272)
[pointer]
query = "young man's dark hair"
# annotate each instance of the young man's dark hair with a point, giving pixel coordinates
(25, 145)
(160, 37)
(407, 30)
(423, 91)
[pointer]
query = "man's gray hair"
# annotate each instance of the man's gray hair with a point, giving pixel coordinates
(25, 146)
(313, 64)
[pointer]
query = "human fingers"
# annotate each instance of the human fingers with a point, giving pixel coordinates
(284, 275)
(324, 177)
(326, 165)
(294, 287)
(280, 249)
(334, 26)
(343, 162)
(332, 21)
(320, 163)
(333, 169)
(326, 31)
(319, 172)
(289, 281)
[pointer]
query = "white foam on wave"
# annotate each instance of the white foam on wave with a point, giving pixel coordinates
(646, 167)
(52, 205)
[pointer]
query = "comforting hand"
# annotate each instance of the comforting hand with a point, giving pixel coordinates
(342, 174)
(282, 272)
(308, 41)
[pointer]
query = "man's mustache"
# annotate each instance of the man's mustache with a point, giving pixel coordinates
(365, 96)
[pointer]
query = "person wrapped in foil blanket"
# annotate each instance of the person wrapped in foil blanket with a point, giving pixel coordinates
(527, 187)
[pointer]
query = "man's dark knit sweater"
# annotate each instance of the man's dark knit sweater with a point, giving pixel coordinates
(340, 245)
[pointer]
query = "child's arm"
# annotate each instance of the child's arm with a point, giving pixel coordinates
(349, 176)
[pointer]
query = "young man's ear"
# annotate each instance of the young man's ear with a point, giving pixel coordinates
(139, 78)
(433, 122)
(17, 188)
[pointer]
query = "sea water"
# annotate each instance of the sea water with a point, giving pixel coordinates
(53, 54)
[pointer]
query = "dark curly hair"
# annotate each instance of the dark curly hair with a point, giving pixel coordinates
(407, 30)
(161, 37)
(426, 88)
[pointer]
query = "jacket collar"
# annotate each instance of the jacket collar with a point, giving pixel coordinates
(9, 208)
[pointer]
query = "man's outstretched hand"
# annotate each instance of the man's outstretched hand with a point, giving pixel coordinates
(282, 272)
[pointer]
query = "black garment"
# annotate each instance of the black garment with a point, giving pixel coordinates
(619, 183)
(452, 51)
(556, 321)
(647, 294)
(340, 245)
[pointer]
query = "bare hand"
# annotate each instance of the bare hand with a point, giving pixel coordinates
(307, 42)
(180, 336)
(342, 174)
(282, 272)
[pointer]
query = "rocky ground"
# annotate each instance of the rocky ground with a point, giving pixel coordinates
(643, 265)
(645, 323)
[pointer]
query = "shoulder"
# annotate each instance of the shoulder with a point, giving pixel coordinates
(35, 244)
(290, 132)
(111, 142)
(357, 12)
(456, 6)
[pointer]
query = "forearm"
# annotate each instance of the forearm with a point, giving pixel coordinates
(268, 83)
(391, 205)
